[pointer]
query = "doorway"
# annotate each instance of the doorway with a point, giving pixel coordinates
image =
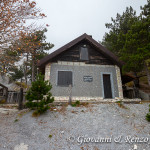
(107, 87)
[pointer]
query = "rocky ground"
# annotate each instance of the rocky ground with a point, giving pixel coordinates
(90, 127)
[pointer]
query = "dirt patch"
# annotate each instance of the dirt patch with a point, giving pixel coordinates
(62, 109)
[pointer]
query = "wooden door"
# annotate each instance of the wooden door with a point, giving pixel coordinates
(107, 86)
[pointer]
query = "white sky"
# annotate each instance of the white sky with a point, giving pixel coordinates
(69, 19)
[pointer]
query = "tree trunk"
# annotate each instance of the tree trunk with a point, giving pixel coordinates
(3, 71)
(25, 71)
(25, 74)
(148, 73)
(33, 70)
(21, 99)
(136, 81)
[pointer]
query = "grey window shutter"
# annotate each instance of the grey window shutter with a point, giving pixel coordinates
(84, 53)
(64, 78)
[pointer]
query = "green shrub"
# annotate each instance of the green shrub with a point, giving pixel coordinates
(73, 105)
(148, 115)
(118, 102)
(38, 96)
(35, 114)
(76, 104)
(50, 136)
(16, 120)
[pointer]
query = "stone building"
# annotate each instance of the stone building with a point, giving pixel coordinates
(83, 70)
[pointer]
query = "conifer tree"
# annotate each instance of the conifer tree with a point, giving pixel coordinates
(39, 96)
(129, 38)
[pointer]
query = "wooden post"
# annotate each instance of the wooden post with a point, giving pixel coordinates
(70, 94)
(6, 94)
(21, 99)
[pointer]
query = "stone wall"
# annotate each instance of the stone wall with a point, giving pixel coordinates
(47, 72)
(93, 99)
(81, 90)
(118, 75)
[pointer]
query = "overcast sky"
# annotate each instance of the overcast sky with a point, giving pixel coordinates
(69, 19)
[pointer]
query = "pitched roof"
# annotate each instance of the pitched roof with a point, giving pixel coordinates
(102, 49)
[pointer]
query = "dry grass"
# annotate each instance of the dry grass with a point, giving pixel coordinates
(75, 112)
(121, 106)
(85, 104)
(3, 101)
(130, 84)
(63, 109)
(119, 103)
(22, 112)
(53, 108)
(89, 108)
(35, 114)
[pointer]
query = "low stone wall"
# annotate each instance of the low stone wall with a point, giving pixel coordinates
(93, 99)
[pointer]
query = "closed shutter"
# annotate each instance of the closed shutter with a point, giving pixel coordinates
(84, 53)
(64, 78)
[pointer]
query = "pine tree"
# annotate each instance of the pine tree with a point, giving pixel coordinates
(39, 96)
(136, 51)
(129, 39)
(118, 28)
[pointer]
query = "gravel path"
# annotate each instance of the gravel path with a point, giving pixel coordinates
(94, 127)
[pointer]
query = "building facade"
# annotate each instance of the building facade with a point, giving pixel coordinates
(83, 70)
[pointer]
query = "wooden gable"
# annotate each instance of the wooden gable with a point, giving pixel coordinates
(73, 55)
(71, 52)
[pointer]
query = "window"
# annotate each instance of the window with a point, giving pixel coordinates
(64, 78)
(84, 53)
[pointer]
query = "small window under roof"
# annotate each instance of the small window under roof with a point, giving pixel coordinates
(84, 55)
